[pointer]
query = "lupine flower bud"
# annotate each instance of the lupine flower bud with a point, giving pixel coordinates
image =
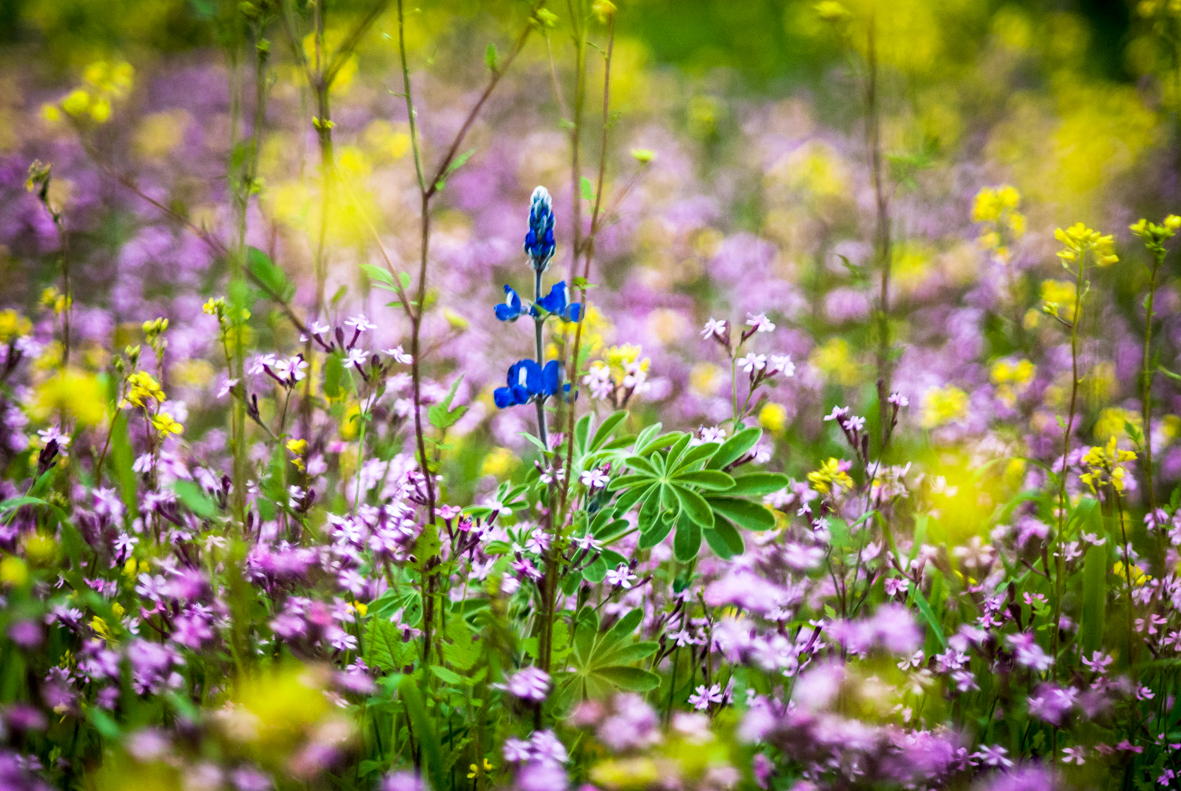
(539, 242)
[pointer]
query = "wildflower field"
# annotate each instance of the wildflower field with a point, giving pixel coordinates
(459, 395)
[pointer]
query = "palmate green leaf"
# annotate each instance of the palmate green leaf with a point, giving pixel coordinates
(694, 455)
(626, 654)
(657, 443)
(707, 479)
(758, 483)
(676, 451)
(655, 535)
(628, 481)
(633, 496)
(687, 541)
(604, 431)
(649, 515)
(645, 466)
(581, 432)
(752, 516)
(695, 506)
(646, 435)
(633, 679)
(724, 539)
(733, 448)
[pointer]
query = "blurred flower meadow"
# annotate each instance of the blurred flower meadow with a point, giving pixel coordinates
(590, 395)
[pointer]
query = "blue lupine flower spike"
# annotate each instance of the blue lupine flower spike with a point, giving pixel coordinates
(539, 242)
(555, 304)
(510, 309)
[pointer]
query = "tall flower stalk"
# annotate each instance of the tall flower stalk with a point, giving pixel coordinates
(1080, 243)
(1154, 237)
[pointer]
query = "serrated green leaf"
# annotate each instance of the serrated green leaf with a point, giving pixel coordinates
(268, 275)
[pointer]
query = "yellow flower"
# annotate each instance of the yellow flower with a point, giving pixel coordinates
(1059, 296)
(1078, 239)
(1106, 465)
(13, 325)
(143, 388)
(830, 477)
(942, 405)
(361, 607)
(1137, 575)
(298, 448)
(475, 770)
(1011, 378)
(100, 627)
(164, 423)
(773, 417)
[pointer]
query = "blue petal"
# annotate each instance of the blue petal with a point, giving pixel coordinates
(552, 376)
(503, 396)
(573, 312)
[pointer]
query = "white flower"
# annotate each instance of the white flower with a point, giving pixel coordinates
(782, 364)
(714, 327)
(594, 479)
(752, 362)
(837, 413)
(399, 355)
(360, 323)
(621, 576)
(760, 322)
(356, 357)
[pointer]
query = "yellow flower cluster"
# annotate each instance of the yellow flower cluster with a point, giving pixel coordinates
(1059, 297)
(1078, 239)
(299, 449)
(1154, 235)
(830, 477)
(997, 207)
(1106, 465)
(103, 82)
(54, 300)
(1136, 574)
(13, 325)
(943, 405)
(1011, 378)
(143, 388)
